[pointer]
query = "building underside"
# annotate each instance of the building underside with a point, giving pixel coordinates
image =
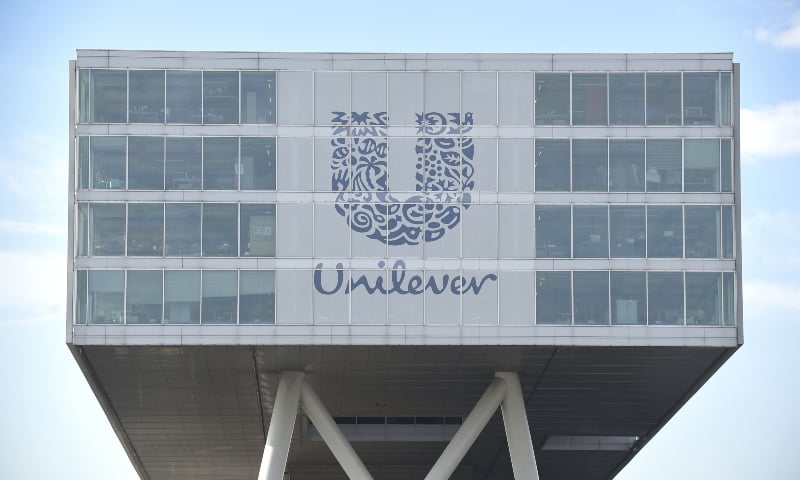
(203, 412)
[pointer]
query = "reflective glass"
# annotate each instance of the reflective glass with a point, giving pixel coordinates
(727, 165)
(626, 98)
(628, 298)
(515, 98)
(552, 98)
(145, 229)
(515, 162)
(553, 298)
(258, 97)
(109, 96)
(81, 296)
(589, 165)
(590, 298)
(590, 231)
(219, 230)
(146, 163)
(82, 247)
(589, 99)
(664, 231)
(83, 162)
(628, 238)
(663, 98)
(663, 165)
(728, 299)
(107, 229)
(626, 164)
(701, 165)
(182, 296)
(257, 230)
(182, 229)
(551, 166)
(256, 296)
(725, 99)
(184, 163)
(727, 231)
(220, 97)
(107, 158)
(702, 231)
(700, 101)
(106, 292)
(84, 96)
(703, 298)
(553, 231)
(144, 302)
(219, 296)
(220, 163)
(146, 96)
(184, 96)
(665, 298)
(257, 164)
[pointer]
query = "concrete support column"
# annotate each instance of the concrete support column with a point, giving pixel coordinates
(469, 431)
(518, 433)
(281, 426)
(332, 435)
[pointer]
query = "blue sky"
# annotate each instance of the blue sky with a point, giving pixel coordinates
(742, 425)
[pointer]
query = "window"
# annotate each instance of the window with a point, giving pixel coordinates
(590, 237)
(184, 163)
(663, 98)
(143, 299)
(182, 296)
(728, 299)
(82, 247)
(146, 103)
(257, 230)
(258, 97)
(553, 231)
(145, 229)
(257, 165)
(663, 165)
(589, 99)
(626, 164)
(107, 229)
(106, 291)
(219, 296)
(184, 96)
(84, 170)
(700, 98)
(665, 298)
(219, 230)
(727, 232)
(182, 233)
(256, 296)
(551, 166)
(627, 231)
(220, 97)
(552, 98)
(664, 231)
(727, 165)
(703, 298)
(589, 165)
(591, 298)
(702, 231)
(107, 159)
(553, 298)
(725, 100)
(146, 163)
(701, 165)
(108, 98)
(220, 163)
(81, 296)
(628, 298)
(626, 98)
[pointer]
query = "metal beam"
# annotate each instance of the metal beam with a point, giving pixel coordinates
(281, 426)
(520, 446)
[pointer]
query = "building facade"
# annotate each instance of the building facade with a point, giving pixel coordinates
(392, 232)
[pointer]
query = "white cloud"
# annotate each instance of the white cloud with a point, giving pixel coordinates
(786, 37)
(770, 130)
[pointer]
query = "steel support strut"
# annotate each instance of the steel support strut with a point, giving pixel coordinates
(281, 426)
(515, 420)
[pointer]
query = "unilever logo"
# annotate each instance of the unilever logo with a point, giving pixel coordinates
(443, 177)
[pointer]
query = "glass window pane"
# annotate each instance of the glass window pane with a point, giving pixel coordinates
(257, 296)
(515, 161)
(626, 98)
(81, 296)
(143, 302)
(665, 298)
(591, 298)
(219, 296)
(728, 299)
(220, 97)
(727, 231)
(703, 298)
(147, 96)
(701, 165)
(702, 231)
(628, 298)
(590, 165)
(83, 162)
(107, 229)
(590, 233)
(107, 159)
(257, 234)
(182, 296)
(220, 161)
(258, 97)
(725, 99)
(664, 231)
(146, 163)
(109, 96)
(145, 229)
(182, 232)
(105, 296)
(82, 247)
(663, 165)
(663, 98)
(553, 231)
(257, 165)
(551, 166)
(589, 99)
(626, 162)
(727, 165)
(553, 298)
(219, 230)
(84, 87)
(552, 99)
(700, 102)
(184, 163)
(184, 96)
(515, 98)
(628, 238)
